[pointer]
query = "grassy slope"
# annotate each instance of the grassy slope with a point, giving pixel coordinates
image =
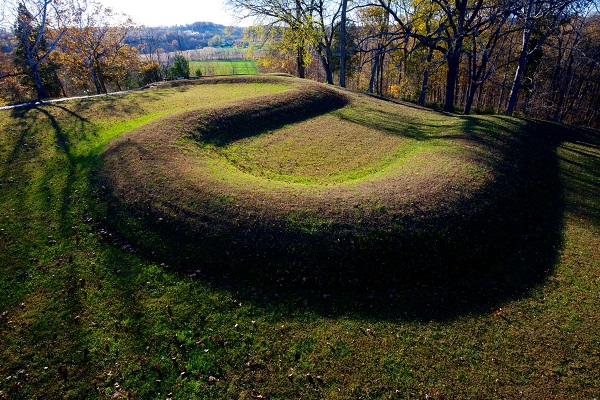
(355, 189)
(224, 67)
(81, 316)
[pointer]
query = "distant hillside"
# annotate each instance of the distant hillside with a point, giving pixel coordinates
(182, 37)
(168, 38)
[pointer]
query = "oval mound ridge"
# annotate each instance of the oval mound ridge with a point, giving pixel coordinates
(311, 174)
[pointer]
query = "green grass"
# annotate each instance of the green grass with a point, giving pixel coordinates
(85, 315)
(279, 156)
(224, 67)
(299, 154)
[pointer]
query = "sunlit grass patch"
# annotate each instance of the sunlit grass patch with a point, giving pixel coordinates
(322, 150)
(223, 67)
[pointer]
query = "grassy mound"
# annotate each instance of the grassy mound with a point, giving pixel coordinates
(328, 180)
(83, 316)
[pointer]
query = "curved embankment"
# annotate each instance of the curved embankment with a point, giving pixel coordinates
(313, 177)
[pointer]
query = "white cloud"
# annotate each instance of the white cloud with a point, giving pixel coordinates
(173, 12)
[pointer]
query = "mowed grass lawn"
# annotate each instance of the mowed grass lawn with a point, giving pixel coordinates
(224, 67)
(83, 314)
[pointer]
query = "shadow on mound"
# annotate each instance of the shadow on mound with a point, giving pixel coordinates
(226, 125)
(468, 258)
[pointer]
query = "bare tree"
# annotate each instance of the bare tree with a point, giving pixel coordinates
(457, 20)
(290, 19)
(326, 15)
(34, 21)
(482, 55)
(539, 19)
(95, 45)
(151, 39)
(343, 35)
(568, 71)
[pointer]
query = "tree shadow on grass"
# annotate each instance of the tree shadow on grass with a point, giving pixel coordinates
(580, 157)
(451, 265)
(471, 258)
(58, 190)
(54, 332)
(503, 251)
(63, 143)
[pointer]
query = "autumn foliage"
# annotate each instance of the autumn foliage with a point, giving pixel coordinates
(528, 57)
(68, 49)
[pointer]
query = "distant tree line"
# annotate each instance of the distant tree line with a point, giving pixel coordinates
(55, 48)
(184, 37)
(534, 57)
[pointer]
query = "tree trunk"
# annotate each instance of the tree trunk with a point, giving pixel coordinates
(102, 82)
(563, 91)
(476, 83)
(300, 62)
(343, 44)
(514, 92)
(300, 48)
(326, 61)
(423, 93)
(470, 97)
(376, 81)
(453, 61)
(380, 74)
(95, 79)
(39, 84)
(35, 73)
(62, 87)
(374, 70)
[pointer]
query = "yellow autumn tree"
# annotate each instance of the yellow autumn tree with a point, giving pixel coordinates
(94, 53)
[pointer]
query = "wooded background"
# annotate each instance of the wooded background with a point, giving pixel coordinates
(537, 58)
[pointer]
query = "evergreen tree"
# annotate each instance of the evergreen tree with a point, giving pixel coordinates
(180, 68)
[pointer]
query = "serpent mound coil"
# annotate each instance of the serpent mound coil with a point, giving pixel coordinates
(311, 175)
